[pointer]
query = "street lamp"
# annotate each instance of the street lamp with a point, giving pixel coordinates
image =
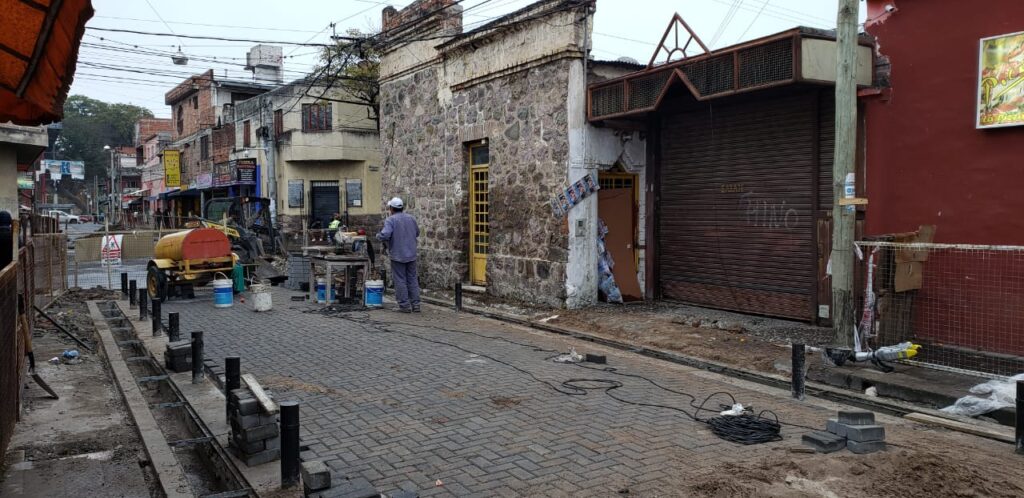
(112, 189)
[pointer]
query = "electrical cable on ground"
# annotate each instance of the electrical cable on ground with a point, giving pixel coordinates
(745, 428)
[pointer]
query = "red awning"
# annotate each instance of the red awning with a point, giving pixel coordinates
(38, 53)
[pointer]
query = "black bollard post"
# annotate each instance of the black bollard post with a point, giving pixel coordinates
(289, 443)
(799, 360)
(232, 380)
(133, 294)
(1020, 417)
(197, 357)
(143, 304)
(458, 296)
(158, 323)
(124, 284)
(173, 327)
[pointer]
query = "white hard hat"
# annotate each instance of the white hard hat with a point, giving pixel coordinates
(396, 203)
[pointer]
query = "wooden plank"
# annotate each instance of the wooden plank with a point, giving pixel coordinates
(257, 390)
(853, 201)
(1005, 436)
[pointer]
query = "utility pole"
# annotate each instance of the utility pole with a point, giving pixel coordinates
(267, 106)
(844, 217)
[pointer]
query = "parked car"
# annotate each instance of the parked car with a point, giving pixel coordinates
(85, 218)
(63, 217)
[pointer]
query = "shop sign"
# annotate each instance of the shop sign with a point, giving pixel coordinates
(203, 180)
(172, 168)
(1001, 81)
(245, 170)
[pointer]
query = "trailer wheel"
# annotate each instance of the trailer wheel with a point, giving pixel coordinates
(156, 282)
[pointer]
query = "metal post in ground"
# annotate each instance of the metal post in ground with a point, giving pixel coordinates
(197, 357)
(124, 283)
(232, 380)
(799, 360)
(133, 294)
(173, 327)
(158, 323)
(143, 304)
(458, 296)
(289, 443)
(1020, 417)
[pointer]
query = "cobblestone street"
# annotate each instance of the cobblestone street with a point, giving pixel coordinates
(407, 400)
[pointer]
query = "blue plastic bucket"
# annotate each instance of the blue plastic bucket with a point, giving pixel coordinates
(374, 297)
(321, 290)
(222, 294)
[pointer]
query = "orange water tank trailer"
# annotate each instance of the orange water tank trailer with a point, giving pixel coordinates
(194, 244)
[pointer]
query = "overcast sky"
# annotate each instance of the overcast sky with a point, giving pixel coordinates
(112, 69)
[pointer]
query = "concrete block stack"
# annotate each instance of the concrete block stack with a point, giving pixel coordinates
(255, 437)
(315, 477)
(178, 356)
(348, 488)
(853, 430)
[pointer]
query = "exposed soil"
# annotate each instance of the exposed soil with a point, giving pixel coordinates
(897, 472)
(83, 443)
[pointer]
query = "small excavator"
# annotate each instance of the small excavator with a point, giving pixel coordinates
(246, 222)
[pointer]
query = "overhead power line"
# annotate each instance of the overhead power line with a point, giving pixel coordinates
(221, 38)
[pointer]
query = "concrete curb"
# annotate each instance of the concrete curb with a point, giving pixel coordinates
(169, 472)
(815, 389)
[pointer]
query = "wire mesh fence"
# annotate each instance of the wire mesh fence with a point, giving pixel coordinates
(963, 303)
(102, 275)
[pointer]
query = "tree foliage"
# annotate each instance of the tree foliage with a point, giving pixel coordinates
(354, 67)
(89, 124)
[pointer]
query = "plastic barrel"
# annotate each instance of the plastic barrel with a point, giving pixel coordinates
(222, 295)
(374, 294)
(321, 290)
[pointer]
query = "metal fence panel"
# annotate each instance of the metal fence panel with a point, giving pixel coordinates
(963, 303)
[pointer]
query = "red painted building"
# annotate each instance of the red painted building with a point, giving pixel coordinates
(930, 160)
(927, 163)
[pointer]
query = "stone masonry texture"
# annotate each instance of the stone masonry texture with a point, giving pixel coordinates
(424, 140)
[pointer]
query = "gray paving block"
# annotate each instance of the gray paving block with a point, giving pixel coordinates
(823, 442)
(865, 433)
(355, 488)
(861, 447)
(265, 456)
(833, 426)
(248, 448)
(856, 417)
(273, 443)
(254, 420)
(255, 433)
(315, 476)
(249, 406)
(402, 494)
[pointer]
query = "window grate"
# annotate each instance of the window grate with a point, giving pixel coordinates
(711, 76)
(607, 100)
(766, 64)
(643, 92)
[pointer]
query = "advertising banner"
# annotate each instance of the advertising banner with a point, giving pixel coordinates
(58, 169)
(172, 168)
(1001, 81)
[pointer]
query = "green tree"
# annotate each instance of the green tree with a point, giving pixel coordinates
(352, 65)
(89, 124)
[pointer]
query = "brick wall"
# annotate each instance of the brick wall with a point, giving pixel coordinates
(147, 127)
(191, 105)
(223, 143)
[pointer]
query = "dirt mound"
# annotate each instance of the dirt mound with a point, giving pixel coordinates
(906, 473)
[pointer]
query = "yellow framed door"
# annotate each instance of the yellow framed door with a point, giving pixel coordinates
(479, 213)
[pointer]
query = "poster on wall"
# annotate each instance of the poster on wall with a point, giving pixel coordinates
(295, 189)
(354, 193)
(574, 194)
(1001, 81)
(172, 168)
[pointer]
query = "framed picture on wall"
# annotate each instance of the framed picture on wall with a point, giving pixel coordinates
(1001, 81)
(354, 193)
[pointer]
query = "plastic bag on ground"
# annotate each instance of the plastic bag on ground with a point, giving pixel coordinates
(1000, 394)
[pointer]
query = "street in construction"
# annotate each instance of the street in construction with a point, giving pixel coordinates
(444, 403)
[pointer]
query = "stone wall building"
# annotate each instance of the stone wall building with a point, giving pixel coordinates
(481, 130)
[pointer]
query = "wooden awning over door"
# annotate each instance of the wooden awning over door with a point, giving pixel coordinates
(39, 42)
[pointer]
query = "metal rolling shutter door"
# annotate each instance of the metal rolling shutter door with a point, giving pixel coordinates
(736, 224)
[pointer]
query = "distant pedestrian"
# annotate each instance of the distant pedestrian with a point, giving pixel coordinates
(400, 233)
(333, 227)
(157, 219)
